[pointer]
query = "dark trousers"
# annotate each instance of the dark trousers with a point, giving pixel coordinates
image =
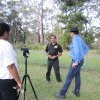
(6, 90)
(73, 72)
(55, 65)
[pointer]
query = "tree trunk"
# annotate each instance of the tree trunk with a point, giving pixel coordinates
(38, 37)
(41, 25)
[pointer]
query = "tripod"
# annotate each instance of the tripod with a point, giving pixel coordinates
(25, 77)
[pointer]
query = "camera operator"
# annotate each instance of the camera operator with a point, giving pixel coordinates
(9, 77)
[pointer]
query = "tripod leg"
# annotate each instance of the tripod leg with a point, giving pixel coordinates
(32, 87)
(24, 78)
(24, 87)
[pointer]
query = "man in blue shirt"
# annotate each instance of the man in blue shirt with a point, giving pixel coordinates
(78, 49)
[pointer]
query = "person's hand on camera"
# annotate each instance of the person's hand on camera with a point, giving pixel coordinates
(20, 87)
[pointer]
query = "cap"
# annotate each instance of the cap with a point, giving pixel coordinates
(74, 30)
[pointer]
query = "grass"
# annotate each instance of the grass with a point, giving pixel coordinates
(39, 58)
(90, 89)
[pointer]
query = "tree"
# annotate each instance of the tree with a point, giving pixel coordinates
(72, 16)
(10, 15)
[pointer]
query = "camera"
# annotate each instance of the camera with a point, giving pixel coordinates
(25, 51)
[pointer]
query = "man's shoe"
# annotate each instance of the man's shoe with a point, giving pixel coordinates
(59, 96)
(59, 81)
(47, 79)
(76, 93)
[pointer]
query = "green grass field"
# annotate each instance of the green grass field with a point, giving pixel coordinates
(90, 89)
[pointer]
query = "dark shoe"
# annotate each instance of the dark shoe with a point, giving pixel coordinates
(59, 80)
(76, 93)
(59, 96)
(47, 79)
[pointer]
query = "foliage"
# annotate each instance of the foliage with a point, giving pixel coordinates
(64, 40)
(88, 38)
(36, 47)
(32, 16)
(30, 46)
(72, 16)
(26, 15)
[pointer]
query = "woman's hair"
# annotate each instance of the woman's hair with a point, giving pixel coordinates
(4, 28)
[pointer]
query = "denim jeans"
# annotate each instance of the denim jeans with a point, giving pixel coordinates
(73, 72)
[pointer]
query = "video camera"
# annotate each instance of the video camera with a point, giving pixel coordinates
(25, 51)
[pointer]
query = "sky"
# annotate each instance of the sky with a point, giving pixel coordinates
(50, 5)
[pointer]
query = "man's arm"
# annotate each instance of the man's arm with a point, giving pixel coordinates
(59, 51)
(14, 73)
(49, 56)
(76, 51)
(59, 54)
(46, 50)
(9, 57)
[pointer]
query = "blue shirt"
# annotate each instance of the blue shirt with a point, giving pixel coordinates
(78, 48)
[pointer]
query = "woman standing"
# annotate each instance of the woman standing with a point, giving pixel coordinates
(78, 49)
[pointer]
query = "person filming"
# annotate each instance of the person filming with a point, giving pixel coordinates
(9, 77)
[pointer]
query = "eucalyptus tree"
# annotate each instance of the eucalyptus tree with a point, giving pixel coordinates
(73, 16)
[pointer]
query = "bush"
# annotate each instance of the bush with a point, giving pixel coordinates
(30, 46)
(65, 41)
(36, 47)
